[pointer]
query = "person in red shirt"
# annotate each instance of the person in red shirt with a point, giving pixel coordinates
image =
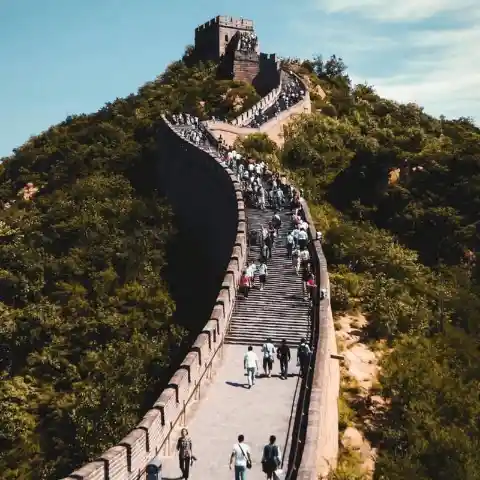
(245, 284)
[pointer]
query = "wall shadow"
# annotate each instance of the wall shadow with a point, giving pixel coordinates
(204, 203)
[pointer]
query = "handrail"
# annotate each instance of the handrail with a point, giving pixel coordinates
(302, 407)
(292, 416)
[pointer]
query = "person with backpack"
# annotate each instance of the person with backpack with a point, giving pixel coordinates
(276, 222)
(302, 239)
(283, 355)
(271, 459)
(303, 357)
(268, 350)
(269, 245)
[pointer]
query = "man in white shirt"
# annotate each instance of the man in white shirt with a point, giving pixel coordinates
(250, 363)
(251, 270)
(268, 350)
(241, 456)
(302, 239)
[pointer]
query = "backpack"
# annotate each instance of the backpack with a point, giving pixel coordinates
(303, 350)
(267, 352)
(270, 458)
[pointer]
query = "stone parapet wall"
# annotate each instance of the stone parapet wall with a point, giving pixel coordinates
(273, 128)
(245, 69)
(320, 450)
(262, 104)
(152, 436)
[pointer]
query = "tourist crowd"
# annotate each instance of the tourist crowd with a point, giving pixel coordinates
(292, 91)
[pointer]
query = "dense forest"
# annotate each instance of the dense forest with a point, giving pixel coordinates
(396, 193)
(87, 331)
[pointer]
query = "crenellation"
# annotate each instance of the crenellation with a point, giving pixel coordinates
(168, 405)
(202, 347)
(191, 364)
(137, 452)
(228, 285)
(92, 471)
(211, 330)
(154, 426)
(176, 382)
(117, 462)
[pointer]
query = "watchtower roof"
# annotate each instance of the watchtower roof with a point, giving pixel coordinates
(227, 21)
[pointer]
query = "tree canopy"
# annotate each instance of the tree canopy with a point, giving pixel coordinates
(87, 331)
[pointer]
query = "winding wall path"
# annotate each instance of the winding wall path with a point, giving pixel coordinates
(206, 392)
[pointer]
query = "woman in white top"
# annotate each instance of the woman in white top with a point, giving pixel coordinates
(241, 456)
(262, 275)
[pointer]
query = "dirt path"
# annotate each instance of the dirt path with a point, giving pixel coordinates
(359, 384)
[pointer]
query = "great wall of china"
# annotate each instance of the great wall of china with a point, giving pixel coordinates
(313, 435)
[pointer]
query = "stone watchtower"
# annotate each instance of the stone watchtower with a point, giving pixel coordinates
(233, 44)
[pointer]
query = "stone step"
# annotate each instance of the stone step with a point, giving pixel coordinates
(263, 334)
(279, 311)
(292, 340)
(267, 320)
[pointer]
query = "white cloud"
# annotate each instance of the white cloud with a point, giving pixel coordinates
(397, 10)
(444, 77)
(430, 55)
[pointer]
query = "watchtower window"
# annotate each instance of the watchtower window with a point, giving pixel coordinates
(226, 37)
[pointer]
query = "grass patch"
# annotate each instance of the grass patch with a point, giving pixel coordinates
(349, 466)
(346, 415)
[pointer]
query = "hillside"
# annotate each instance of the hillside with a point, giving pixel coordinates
(395, 193)
(88, 320)
(88, 327)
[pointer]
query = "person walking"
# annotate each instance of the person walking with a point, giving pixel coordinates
(250, 363)
(262, 274)
(245, 284)
(283, 355)
(268, 350)
(185, 456)
(271, 459)
(303, 356)
(290, 244)
(241, 458)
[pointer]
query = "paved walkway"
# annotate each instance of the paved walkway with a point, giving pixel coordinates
(228, 409)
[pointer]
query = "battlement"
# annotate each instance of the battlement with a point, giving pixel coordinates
(271, 57)
(229, 22)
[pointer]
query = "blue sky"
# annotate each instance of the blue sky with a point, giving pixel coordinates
(65, 57)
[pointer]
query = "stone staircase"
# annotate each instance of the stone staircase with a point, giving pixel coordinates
(279, 312)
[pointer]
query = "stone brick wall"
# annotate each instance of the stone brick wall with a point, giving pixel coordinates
(273, 128)
(246, 67)
(213, 37)
(128, 459)
(206, 219)
(320, 450)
